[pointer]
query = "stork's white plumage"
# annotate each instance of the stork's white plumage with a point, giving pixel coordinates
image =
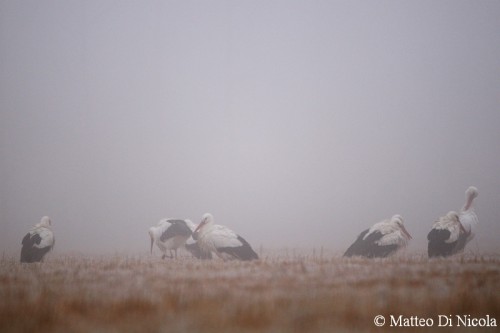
(170, 234)
(38, 241)
(468, 216)
(446, 233)
(223, 241)
(382, 239)
(452, 232)
(192, 245)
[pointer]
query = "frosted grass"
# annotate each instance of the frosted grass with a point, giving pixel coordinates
(286, 291)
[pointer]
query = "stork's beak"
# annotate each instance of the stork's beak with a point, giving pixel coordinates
(462, 227)
(151, 244)
(196, 231)
(406, 232)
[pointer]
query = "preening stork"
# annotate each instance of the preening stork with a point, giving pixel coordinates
(452, 232)
(193, 247)
(223, 241)
(446, 235)
(467, 216)
(169, 234)
(38, 241)
(382, 239)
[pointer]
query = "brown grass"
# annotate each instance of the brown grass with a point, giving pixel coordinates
(280, 293)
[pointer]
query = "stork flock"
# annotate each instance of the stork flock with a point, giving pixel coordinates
(201, 240)
(448, 236)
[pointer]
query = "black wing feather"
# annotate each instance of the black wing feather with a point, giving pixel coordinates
(243, 252)
(30, 253)
(358, 247)
(368, 247)
(177, 228)
(27, 240)
(460, 243)
(437, 246)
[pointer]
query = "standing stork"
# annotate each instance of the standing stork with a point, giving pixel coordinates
(169, 234)
(446, 236)
(467, 216)
(452, 232)
(381, 240)
(193, 247)
(223, 241)
(38, 241)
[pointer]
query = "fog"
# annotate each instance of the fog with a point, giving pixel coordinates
(297, 124)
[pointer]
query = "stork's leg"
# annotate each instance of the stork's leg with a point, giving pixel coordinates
(175, 253)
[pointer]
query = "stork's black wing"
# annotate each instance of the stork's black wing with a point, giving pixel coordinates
(358, 248)
(368, 247)
(177, 228)
(437, 246)
(242, 252)
(30, 253)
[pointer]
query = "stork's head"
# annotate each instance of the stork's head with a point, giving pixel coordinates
(471, 192)
(207, 219)
(45, 222)
(398, 220)
(452, 215)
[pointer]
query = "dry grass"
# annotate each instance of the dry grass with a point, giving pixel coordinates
(281, 293)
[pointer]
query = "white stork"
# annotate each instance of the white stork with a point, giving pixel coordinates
(468, 217)
(452, 232)
(446, 235)
(382, 239)
(38, 241)
(169, 234)
(193, 247)
(222, 240)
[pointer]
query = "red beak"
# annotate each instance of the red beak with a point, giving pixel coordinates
(406, 232)
(151, 245)
(195, 232)
(462, 228)
(198, 227)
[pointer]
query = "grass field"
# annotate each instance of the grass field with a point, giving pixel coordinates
(280, 293)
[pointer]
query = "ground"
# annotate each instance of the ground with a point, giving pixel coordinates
(285, 292)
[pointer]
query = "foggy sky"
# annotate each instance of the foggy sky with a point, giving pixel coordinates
(295, 123)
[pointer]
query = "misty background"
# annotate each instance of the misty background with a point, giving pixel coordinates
(295, 123)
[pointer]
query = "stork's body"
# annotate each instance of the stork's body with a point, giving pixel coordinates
(452, 232)
(169, 235)
(196, 251)
(193, 247)
(223, 241)
(446, 236)
(37, 242)
(381, 240)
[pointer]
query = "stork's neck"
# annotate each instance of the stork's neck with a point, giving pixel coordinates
(207, 228)
(468, 203)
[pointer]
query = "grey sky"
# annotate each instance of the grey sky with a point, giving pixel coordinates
(295, 123)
